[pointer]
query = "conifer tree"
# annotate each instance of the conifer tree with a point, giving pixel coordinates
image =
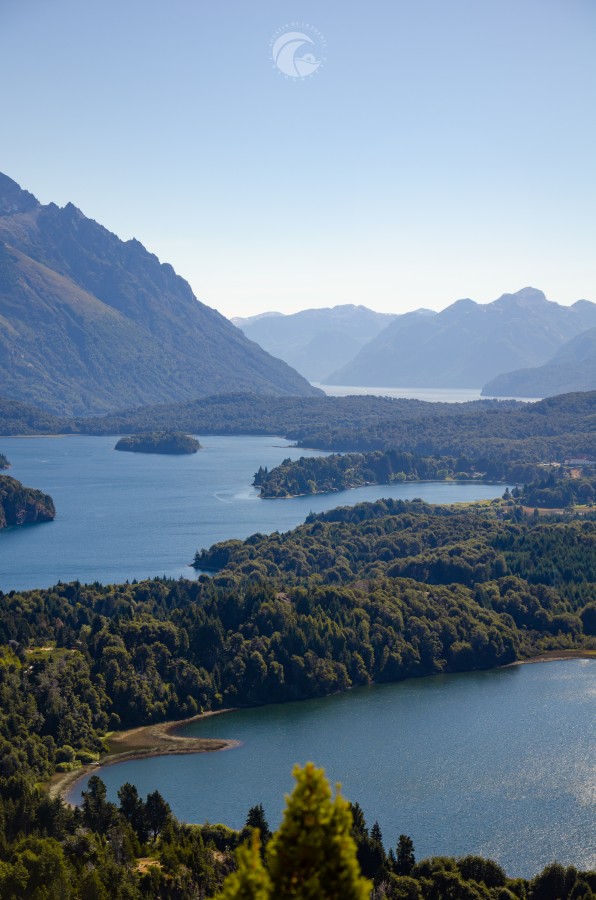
(313, 855)
(250, 881)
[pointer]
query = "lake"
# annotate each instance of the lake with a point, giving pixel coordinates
(429, 394)
(134, 515)
(500, 763)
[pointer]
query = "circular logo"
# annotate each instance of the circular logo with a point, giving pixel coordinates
(298, 50)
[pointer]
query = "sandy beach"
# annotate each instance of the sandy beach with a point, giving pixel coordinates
(139, 743)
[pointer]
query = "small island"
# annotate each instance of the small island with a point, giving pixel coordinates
(4, 463)
(21, 505)
(168, 442)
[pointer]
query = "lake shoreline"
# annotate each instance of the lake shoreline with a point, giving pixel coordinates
(147, 741)
(366, 484)
(143, 742)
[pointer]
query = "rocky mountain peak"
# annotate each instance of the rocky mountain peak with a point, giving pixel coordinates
(13, 199)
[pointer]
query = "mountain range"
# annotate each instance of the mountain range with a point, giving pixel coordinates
(572, 368)
(315, 341)
(467, 344)
(91, 323)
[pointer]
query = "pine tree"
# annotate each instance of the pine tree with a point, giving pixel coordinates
(313, 855)
(256, 819)
(405, 859)
(250, 881)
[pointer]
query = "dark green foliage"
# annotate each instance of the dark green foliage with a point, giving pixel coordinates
(168, 442)
(313, 475)
(4, 463)
(375, 592)
(404, 856)
(555, 488)
(256, 819)
(20, 505)
(486, 434)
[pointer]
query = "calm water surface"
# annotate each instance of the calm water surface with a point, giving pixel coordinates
(498, 763)
(135, 515)
(430, 394)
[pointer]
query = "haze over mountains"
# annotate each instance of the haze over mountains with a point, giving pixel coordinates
(90, 323)
(467, 344)
(315, 341)
(572, 368)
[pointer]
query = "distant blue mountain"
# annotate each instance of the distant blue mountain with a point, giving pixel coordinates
(467, 344)
(315, 342)
(572, 368)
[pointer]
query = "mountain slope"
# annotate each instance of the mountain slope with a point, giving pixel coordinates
(468, 343)
(315, 341)
(89, 322)
(572, 368)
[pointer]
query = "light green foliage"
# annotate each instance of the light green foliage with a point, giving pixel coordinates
(250, 881)
(313, 855)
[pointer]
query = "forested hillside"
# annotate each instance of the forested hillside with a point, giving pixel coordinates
(375, 592)
(20, 505)
(551, 429)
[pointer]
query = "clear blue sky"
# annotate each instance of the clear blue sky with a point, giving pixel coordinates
(445, 148)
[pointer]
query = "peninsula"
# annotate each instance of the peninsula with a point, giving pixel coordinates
(21, 505)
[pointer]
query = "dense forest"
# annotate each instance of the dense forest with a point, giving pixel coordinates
(556, 488)
(4, 463)
(323, 849)
(339, 472)
(377, 592)
(546, 486)
(20, 505)
(551, 429)
(374, 592)
(167, 442)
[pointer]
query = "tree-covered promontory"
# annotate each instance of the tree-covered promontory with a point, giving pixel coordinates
(377, 592)
(20, 505)
(339, 472)
(4, 463)
(167, 442)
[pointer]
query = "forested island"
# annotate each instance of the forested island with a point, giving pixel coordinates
(20, 505)
(4, 463)
(167, 442)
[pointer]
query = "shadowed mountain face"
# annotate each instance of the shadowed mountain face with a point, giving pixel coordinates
(315, 341)
(90, 323)
(572, 368)
(467, 344)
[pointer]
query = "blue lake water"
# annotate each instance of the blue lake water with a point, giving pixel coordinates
(429, 394)
(499, 763)
(132, 515)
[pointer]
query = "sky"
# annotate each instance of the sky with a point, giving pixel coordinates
(286, 154)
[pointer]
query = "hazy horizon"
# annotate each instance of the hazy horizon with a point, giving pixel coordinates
(417, 153)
